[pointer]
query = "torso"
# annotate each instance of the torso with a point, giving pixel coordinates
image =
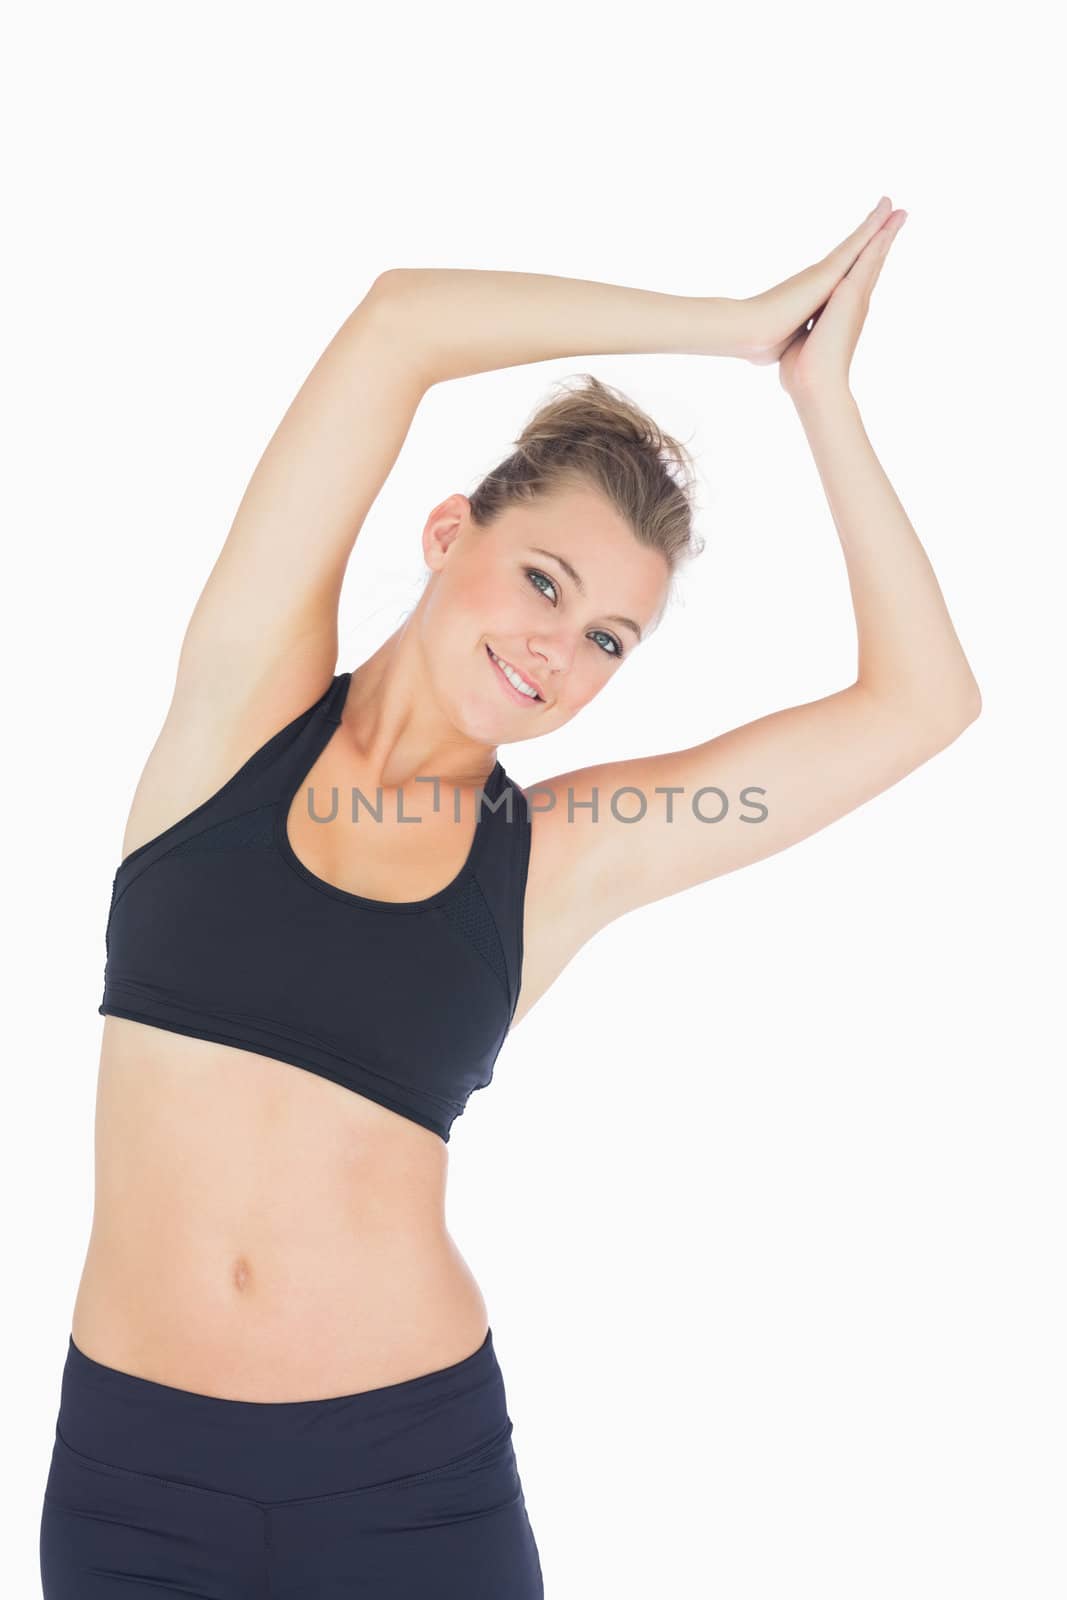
(260, 1232)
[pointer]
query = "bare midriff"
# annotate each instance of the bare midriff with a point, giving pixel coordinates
(262, 1233)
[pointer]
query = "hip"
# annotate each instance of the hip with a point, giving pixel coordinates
(403, 1490)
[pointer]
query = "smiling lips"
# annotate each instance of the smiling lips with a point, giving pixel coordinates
(514, 678)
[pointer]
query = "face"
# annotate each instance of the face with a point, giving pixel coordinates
(550, 590)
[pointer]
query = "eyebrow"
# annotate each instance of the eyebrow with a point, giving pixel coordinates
(625, 622)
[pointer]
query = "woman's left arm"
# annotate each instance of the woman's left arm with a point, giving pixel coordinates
(909, 658)
(800, 768)
(758, 788)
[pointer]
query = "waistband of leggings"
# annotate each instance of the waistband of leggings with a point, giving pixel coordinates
(285, 1449)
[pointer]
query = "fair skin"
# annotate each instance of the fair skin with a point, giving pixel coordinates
(268, 1267)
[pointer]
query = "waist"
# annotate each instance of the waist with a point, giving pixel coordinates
(278, 1325)
(262, 1234)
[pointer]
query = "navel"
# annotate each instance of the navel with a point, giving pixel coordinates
(242, 1273)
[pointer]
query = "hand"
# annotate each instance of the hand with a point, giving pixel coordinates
(777, 319)
(820, 358)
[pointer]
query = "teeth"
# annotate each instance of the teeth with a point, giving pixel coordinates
(512, 676)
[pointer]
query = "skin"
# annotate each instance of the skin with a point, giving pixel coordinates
(309, 1256)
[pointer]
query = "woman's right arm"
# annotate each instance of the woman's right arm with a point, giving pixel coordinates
(266, 619)
(261, 643)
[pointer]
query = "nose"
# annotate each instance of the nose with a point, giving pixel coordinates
(555, 650)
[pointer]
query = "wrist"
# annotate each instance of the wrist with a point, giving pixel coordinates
(827, 397)
(725, 327)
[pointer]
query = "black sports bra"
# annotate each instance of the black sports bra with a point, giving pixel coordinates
(216, 929)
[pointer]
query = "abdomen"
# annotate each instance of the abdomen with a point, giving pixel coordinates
(262, 1233)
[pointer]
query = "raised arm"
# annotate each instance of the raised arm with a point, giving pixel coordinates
(790, 773)
(261, 643)
(264, 629)
(794, 771)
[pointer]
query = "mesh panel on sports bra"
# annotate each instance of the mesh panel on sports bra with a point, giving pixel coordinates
(251, 830)
(470, 914)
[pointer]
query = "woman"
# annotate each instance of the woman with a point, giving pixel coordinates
(281, 1377)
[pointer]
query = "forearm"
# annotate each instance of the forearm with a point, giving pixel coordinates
(909, 654)
(457, 322)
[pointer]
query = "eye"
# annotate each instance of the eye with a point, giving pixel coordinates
(618, 647)
(532, 573)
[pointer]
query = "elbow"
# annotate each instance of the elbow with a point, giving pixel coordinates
(388, 279)
(396, 304)
(394, 284)
(948, 721)
(388, 290)
(967, 705)
(927, 723)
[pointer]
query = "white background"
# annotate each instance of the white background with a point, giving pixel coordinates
(767, 1196)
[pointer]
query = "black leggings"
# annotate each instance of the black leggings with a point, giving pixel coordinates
(406, 1491)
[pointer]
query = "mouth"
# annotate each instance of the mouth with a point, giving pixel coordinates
(515, 683)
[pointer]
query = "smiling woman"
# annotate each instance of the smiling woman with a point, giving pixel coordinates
(273, 1318)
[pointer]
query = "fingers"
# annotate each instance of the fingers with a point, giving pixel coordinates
(845, 256)
(868, 264)
(789, 305)
(875, 218)
(849, 250)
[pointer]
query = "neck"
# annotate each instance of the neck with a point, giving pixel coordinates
(397, 727)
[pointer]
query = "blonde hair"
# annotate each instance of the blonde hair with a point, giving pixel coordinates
(594, 436)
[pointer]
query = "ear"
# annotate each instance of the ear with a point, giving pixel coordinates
(443, 526)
